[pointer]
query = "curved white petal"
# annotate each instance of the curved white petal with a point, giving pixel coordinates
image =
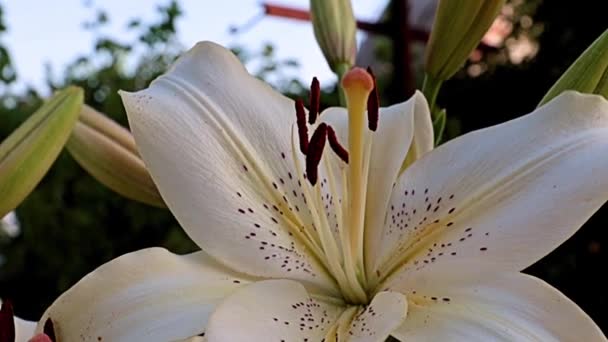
(504, 196)
(217, 142)
(24, 330)
(497, 307)
(424, 137)
(379, 319)
(148, 295)
(272, 310)
(390, 145)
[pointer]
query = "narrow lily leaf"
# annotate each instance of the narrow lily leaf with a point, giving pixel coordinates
(108, 152)
(27, 154)
(588, 74)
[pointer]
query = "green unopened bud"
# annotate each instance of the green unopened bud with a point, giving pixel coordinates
(107, 151)
(335, 27)
(588, 74)
(457, 30)
(28, 153)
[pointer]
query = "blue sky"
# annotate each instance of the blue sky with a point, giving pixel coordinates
(51, 31)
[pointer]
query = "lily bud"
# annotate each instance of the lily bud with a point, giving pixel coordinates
(108, 152)
(28, 153)
(334, 25)
(588, 74)
(457, 30)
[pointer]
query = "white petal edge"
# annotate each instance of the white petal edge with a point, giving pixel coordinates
(498, 307)
(148, 295)
(217, 142)
(24, 330)
(424, 136)
(271, 310)
(504, 196)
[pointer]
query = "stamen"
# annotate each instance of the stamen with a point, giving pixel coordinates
(7, 323)
(315, 95)
(49, 329)
(357, 84)
(335, 144)
(302, 129)
(315, 150)
(373, 104)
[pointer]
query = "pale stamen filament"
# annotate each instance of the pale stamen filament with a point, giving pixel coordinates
(331, 261)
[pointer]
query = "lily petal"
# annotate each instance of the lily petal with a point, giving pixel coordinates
(24, 330)
(379, 319)
(502, 197)
(424, 136)
(217, 142)
(193, 339)
(148, 295)
(396, 135)
(497, 307)
(272, 310)
(390, 144)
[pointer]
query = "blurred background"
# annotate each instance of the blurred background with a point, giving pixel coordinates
(71, 224)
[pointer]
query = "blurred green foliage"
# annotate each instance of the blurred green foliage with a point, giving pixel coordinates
(72, 224)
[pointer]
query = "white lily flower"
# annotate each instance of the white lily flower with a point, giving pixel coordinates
(369, 251)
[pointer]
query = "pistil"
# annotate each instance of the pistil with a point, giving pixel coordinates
(357, 84)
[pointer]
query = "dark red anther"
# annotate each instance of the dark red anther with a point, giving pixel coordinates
(49, 329)
(373, 104)
(335, 144)
(315, 151)
(315, 95)
(7, 323)
(302, 129)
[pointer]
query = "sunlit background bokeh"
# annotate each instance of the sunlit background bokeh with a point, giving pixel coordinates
(54, 32)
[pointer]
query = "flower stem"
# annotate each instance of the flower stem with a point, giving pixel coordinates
(340, 70)
(430, 89)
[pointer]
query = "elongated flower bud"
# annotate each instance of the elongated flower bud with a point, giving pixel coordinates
(28, 153)
(107, 151)
(457, 30)
(335, 28)
(588, 74)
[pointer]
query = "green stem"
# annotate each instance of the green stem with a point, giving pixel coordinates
(430, 89)
(340, 70)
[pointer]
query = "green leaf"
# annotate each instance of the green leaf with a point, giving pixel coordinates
(588, 74)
